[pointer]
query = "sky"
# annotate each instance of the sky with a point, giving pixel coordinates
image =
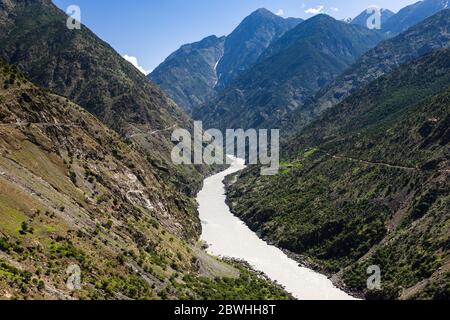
(145, 32)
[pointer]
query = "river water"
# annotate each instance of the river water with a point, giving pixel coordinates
(228, 236)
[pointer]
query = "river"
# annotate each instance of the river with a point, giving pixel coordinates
(228, 236)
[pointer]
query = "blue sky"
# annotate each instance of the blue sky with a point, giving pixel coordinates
(152, 29)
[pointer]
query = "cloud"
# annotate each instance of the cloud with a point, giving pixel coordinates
(334, 9)
(134, 62)
(315, 10)
(280, 12)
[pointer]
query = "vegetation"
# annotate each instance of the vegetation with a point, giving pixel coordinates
(366, 184)
(281, 81)
(77, 195)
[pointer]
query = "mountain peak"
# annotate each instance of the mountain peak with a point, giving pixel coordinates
(321, 18)
(262, 12)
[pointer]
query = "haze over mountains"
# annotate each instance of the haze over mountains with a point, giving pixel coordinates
(189, 75)
(248, 41)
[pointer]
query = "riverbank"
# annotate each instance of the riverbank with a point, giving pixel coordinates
(227, 236)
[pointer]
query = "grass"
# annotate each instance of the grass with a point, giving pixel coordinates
(11, 219)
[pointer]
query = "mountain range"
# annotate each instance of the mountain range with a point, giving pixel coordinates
(413, 14)
(428, 35)
(364, 174)
(289, 73)
(364, 16)
(245, 48)
(366, 184)
(248, 41)
(86, 178)
(194, 74)
(189, 75)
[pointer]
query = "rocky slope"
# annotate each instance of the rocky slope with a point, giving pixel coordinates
(80, 66)
(288, 74)
(248, 41)
(74, 193)
(367, 184)
(189, 74)
(413, 14)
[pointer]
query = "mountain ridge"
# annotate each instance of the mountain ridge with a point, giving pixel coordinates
(248, 40)
(363, 17)
(385, 57)
(79, 65)
(413, 14)
(288, 74)
(189, 77)
(76, 196)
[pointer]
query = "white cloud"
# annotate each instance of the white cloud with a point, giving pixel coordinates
(315, 10)
(134, 62)
(280, 12)
(334, 9)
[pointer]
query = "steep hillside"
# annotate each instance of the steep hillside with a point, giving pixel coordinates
(189, 74)
(78, 65)
(73, 193)
(413, 14)
(384, 58)
(367, 184)
(288, 74)
(248, 41)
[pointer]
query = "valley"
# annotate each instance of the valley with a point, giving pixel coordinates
(227, 236)
(353, 186)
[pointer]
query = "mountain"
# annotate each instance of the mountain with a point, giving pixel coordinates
(288, 74)
(78, 65)
(189, 75)
(248, 41)
(366, 184)
(363, 17)
(387, 56)
(194, 74)
(413, 14)
(74, 193)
